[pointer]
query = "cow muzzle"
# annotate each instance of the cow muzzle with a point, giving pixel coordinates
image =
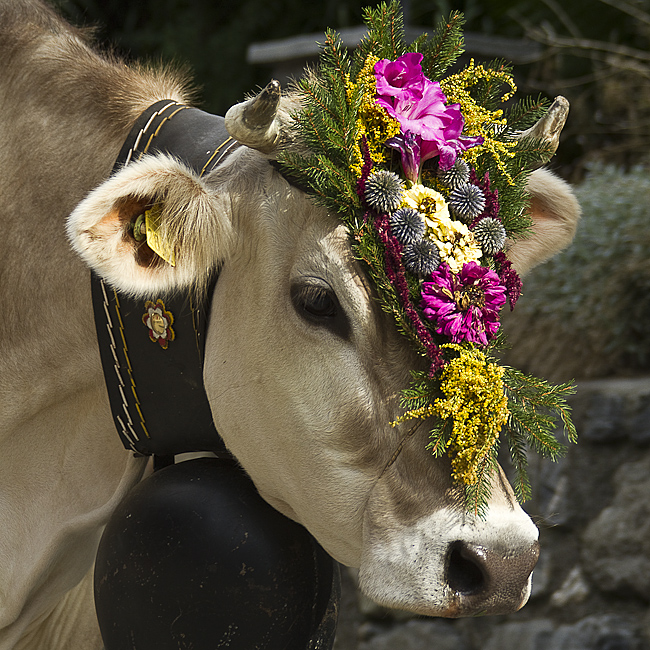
(442, 567)
(489, 580)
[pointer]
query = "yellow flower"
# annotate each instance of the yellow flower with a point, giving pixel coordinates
(455, 242)
(373, 121)
(480, 121)
(428, 202)
(476, 403)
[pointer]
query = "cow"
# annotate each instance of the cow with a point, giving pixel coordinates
(304, 405)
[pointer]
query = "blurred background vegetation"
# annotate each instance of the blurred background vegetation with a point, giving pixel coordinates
(595, 52)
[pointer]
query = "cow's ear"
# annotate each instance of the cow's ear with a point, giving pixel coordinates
(153, 226)
(555, 212)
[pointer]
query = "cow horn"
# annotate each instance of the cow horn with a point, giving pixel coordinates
(254, 122)
(549, 127)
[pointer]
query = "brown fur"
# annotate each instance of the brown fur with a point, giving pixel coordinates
(64, 113)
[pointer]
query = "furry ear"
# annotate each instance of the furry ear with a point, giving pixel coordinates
(555, 212)
(189, 234)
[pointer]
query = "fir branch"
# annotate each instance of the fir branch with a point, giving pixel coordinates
(530, 152)
(517, 447)
(335, 56)
(420, 43)
(538, 391)
(537, 431)
(446, 45)
(534, 406)
(439, 438)
(524, 113)
(322, 121)
(478, 495)
(488, 92)
(385, 38)
(422, 391)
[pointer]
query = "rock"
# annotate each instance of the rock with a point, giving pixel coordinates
(614, 410)
(551, 489)
(573, 590)
(597, 633)
(645, 628)
(638, 421)
(417, 635)
(616, 545)
(527, 635)
(603, 418)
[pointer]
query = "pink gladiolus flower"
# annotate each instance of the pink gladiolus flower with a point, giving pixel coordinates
(418, 104)
(465, 305)
(402, 78)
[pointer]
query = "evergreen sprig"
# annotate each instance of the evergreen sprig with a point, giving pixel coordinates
(488, 92)
(385, 38)
(445, 46)
(478, 494)
(535, 407)
(439, 437)
(524, 113)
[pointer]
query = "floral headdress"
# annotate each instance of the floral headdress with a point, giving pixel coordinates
(428, 175)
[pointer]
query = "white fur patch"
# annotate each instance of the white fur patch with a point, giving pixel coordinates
(195, 222)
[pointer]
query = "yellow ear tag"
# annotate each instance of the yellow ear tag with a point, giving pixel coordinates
(154, 240)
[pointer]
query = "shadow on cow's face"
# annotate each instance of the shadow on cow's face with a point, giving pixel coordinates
(303, 372)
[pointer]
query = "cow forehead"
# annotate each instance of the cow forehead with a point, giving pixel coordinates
(289, 239)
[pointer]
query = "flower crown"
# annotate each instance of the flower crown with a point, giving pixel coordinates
(429, 178)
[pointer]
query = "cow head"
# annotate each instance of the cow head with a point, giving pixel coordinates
(303, 368)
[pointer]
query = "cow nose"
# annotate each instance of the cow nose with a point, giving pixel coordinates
(494, 581)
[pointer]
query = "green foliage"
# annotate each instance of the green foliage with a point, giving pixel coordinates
(535, 407)
(489, 92)
(439, 437)
(326, 122)
(478, 494)
(526, 112)
(444, 48)
(385, 36)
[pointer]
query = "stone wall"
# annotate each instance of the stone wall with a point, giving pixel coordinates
(591, 588)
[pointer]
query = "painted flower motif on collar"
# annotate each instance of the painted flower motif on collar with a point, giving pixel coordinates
(159, 322)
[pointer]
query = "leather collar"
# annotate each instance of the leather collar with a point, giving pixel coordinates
(156, 391)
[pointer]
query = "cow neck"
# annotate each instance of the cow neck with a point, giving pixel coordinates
(155, 382)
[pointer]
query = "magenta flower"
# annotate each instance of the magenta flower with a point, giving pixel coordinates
(465, 305)
(453, 142)
(418, 104)
(402, 78)
(409, 147)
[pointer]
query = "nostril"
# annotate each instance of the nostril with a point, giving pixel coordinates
(464, 572)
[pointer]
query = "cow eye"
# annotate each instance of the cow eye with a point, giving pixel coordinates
(317, 303)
